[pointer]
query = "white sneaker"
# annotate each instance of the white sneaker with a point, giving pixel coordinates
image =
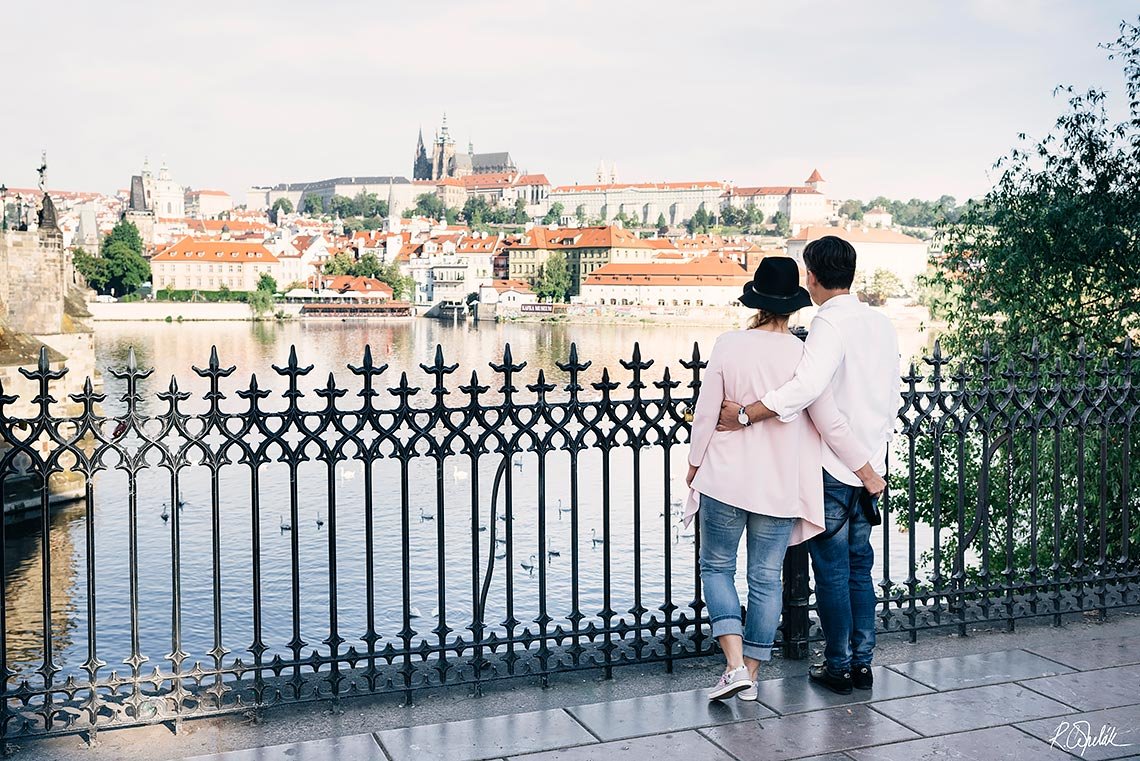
(749, 694)
(731, 683)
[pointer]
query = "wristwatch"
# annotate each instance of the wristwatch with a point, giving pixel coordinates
(742, 417)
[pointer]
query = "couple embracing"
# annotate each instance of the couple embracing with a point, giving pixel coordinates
(789, 444)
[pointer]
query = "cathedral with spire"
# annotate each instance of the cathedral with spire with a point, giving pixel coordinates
(446, 161)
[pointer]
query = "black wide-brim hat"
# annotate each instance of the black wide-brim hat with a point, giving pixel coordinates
(776, 287)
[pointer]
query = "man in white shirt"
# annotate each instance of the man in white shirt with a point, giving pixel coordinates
(854, 350)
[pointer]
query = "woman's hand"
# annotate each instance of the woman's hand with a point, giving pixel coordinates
(692, 474)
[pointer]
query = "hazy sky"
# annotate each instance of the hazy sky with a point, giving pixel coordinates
(904, 98)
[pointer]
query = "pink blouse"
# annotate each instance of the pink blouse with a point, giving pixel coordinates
(773, 468)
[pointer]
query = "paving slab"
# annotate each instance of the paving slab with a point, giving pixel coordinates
(671, 712)
(688, 745)
(492, 737)
(798, 694)
(348, 748)
(807, 734)
(995, 744)
(941, 713)
(1092, 690)
(1091, 654)
(1094, 735)
(960, 671)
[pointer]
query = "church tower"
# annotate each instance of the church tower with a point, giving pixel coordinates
(421, 167)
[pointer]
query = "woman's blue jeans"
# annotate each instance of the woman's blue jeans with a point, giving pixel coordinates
(721, 527)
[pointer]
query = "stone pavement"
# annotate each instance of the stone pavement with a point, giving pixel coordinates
(1010, 704)
(991, 695)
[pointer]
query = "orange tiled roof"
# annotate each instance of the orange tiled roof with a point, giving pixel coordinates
(511, 285)
(597, 188)
(706, 270)
(199, 250)
(532, 179)
(582, 237)
(815, 176)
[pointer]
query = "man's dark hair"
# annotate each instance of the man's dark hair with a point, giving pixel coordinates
(832, 260)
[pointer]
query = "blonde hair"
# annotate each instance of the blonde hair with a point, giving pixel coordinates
(764, 317)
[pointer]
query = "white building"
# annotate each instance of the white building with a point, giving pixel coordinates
(645, 202)
(877, 217)
(503, 298)
(875, 249)
(399, 192)
(208, 265)
(208, 204)
(164, 197)
(704, 281)
(803, 204)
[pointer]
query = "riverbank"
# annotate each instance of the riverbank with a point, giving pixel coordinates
(180, 311)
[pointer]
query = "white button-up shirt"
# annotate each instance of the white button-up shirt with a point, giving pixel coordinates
(854, 350)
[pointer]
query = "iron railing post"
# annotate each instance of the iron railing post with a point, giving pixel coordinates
(794, 620)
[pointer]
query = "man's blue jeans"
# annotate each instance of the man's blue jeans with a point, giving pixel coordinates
(721, 527)
(844, 594)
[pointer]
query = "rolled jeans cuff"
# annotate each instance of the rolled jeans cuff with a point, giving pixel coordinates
(727, 625)
(757, 652)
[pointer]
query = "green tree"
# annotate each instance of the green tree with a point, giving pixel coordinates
(369, 205)
(580, 214)
(126, 269)
(429, 205)
(339, 264)
(476, 210)
(124, 232)
(520, 216)
(753, 218)
(451, 215)
(92, 268)
(553, 214)
(730, 216)
(1042, 272)
(342, 206)
(783, 226)
(282, 204)
(699, 222)
(260, 303)
(852, 209)
(880, 286)
(554, 280)
(662, 224)
(313, 204)
(403, 286)
(368, 266)
(266, 283)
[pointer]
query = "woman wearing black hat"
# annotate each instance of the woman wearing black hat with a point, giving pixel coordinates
(763, 480)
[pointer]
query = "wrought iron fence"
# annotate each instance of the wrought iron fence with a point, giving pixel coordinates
(1012, 497)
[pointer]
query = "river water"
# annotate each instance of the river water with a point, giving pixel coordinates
(173, 349)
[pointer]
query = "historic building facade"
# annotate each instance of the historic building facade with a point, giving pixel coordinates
(447, 161)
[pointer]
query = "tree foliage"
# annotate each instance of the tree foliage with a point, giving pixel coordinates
(782, 224)
(1050, 253)
(1039, 285)
(313, 204)
(880, 286)
(429, 205)
(260, 303)
(553, 214)
(554, 281)
(267, 283)
(120, 267)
